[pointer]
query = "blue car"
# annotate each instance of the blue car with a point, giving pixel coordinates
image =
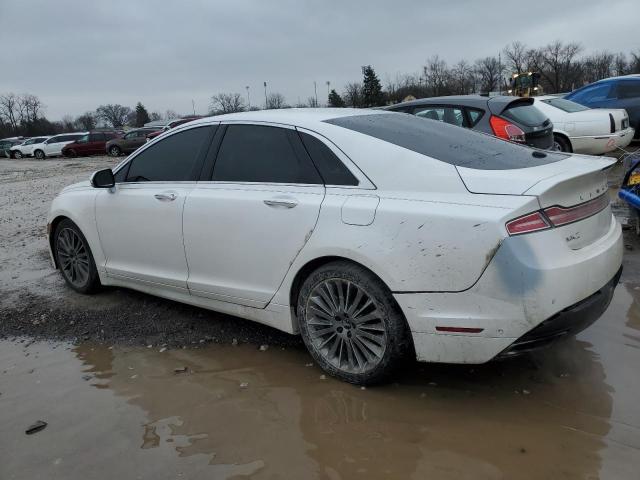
(615, 92)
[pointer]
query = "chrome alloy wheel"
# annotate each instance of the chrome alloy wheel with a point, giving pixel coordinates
(72, 257)
(345, 325)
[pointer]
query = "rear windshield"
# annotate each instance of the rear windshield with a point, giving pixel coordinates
(526, 114)
(565, 105)
(447, 143)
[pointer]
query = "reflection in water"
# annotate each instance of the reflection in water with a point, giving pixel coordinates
(538, 417)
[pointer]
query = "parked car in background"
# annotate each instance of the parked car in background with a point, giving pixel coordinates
(509, 118)
(130, 141)
(581, 129)
(615, 92)
(472, 248)
(52, 147)
(25, 149)
(172, 124)
(91, 143)
(7, 143)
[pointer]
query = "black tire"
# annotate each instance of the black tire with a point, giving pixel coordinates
(393, 341)
(115, 151)
(84, 257)
(39, 154)
(17, 154)
(561, 144)
(71, 153)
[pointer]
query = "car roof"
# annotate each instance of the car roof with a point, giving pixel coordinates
(288, 116)
(466, 100)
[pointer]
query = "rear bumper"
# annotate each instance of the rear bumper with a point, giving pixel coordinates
(570, 321)
(530, 280)
(596, 145)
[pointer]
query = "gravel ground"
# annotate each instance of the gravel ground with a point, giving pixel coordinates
(35, 302)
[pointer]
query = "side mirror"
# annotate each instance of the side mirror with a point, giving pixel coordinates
(103, 179)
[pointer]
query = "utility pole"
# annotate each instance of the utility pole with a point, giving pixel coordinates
(315, 90)
(265, 95)
(248, 97)
(499, 74)
(193, 104)
(328, 92)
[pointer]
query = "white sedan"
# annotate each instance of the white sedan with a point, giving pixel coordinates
(581, 129)
(373, 234)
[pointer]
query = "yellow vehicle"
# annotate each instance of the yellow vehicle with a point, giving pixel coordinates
(526, 84)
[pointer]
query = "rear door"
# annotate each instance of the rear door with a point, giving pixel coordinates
(245, 226)
(96, 143)
(628, 97)
(140, 221)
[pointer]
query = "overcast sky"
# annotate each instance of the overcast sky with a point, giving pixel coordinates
(76, 55)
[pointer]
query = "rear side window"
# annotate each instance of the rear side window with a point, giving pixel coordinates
(451, 115)
(628, 89)
(256, 153)
(475, 114)
(331, 168)
(565, 105)
(592, 93)
(172, 159)
(97, 137)
(525, 114)
(449, 144)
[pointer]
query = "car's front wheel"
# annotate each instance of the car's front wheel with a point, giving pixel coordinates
(115, 151)
(74, 258)
(17, 154)
(351, 324)
(39, 154)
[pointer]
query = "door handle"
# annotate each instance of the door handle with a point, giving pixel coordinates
(281, 203)
(166, 197)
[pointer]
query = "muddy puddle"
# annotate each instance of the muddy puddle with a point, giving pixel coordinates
(238, 412)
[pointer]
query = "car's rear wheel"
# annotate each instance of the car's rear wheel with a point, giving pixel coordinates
(74, 258)
(70, 153)
(115, 151)
(17, 154)
(351, 324)
(39, 154)
(561, 144)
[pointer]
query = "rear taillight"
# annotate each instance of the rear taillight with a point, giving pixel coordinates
(532, 222)
(506, 130)
(556, 216)
(559, 216)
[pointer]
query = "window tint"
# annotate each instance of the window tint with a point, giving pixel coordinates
(452, 115)
(629, 89)
(526, 114)
(474, 116)
(255, 153)
(565, 105)
(331, 168)
(464, 148)
(97, 137)
(174, 158)
(592, 93)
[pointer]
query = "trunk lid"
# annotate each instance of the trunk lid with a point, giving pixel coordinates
(576, 180)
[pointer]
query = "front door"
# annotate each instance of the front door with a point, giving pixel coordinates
(244, 229)
(140, 221)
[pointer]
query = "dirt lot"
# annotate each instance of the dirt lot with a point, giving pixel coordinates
(101, 371)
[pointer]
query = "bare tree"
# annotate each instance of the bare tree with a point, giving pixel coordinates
(597, 65)
(155, 116)
(30, 108)
(171, 114)
(353, 94)
(517, 56)
(462, 78)
(86, 121)
(10, 110)
(558, 66)
(436, 76)
(114, 114)
(226, 103)
(275, 101)
(68, 123)
(634, 64)
(312, 102)
(489, 73)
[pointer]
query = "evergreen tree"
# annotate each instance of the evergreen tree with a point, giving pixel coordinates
(371, 88)
(335, 100)
(142, 116)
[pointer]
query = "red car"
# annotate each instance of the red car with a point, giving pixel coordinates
(93, 143)
(171, 125)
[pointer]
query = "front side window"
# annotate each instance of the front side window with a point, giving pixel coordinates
(82, 139)
(256, 153)
(175, 158)
(629, 89)
(593, 93)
